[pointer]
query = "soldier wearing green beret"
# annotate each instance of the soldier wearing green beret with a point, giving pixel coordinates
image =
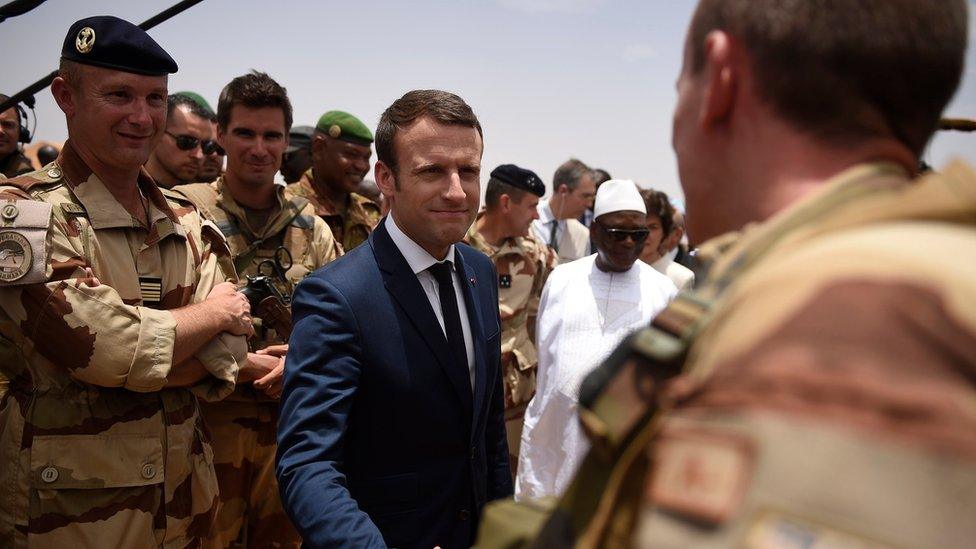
(340, 160)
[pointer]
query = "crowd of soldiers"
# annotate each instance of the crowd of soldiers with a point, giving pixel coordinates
(140, 387)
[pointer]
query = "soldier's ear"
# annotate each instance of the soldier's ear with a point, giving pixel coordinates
(318, 144)
(505, 202)
(722, 74)
(63, 95)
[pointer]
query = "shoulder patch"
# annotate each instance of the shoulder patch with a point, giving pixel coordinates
(701, 474)
(773, 529)
(23, 242)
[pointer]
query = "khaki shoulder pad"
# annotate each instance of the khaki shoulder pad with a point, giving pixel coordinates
(23, 243)
(38, 178)
(212, 235)
(177, 196)
(202, 195)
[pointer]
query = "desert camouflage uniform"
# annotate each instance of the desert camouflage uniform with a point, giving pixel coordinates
(15, 164)
(523, 264)
(95, 450)
(362, 214)
(244, 425)
(827, 399)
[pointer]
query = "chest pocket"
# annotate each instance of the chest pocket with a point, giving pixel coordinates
(74, 475)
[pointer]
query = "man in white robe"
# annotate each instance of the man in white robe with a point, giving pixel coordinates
(587, 307)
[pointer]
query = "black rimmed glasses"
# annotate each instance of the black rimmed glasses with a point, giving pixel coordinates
(620, 235)
(188, 143)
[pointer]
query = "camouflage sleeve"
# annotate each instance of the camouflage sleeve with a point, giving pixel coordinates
(224, 355)
(325, 247)
(74, 321)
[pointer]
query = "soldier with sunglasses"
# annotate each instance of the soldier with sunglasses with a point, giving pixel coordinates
(178, 156)
(588, 306)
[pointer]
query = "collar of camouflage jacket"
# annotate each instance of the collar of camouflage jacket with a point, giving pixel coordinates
(103, 210)
(288, 207)
(862, 195)
(305, 188)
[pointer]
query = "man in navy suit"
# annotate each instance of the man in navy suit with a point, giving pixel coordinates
(392, 427)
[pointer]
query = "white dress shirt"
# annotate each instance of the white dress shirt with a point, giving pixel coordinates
(572, 237)
(419, 261)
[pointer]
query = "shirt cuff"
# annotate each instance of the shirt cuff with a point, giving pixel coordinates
(222, 357)
(153, 359)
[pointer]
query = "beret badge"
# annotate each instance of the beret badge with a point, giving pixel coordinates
(335, 130)
(85, 40)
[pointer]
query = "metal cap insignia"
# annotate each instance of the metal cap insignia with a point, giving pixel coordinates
(335, 130)
(85, 40)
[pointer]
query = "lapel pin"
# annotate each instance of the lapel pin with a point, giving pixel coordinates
(473, 280)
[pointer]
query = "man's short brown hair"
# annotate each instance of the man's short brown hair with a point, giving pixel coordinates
(444, 107)
(844, 70)
(70, 72)
(254, 90)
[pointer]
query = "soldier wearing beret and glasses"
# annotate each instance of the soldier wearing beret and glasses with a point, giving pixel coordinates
(115, 317)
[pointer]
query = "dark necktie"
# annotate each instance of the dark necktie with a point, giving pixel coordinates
(552, 233)
(449, 310)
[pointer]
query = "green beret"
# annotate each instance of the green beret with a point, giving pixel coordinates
(342, 125)
(198, 99)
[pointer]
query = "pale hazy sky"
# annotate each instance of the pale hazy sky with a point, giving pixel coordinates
(549, 79)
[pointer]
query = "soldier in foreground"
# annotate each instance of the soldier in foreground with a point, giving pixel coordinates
(817, 388)
(114, 317)
(12, 159)
(263, 224)
(523, 263)
(340, 161)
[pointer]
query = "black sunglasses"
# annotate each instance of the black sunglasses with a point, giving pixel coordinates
(188, 143)
(619, 235)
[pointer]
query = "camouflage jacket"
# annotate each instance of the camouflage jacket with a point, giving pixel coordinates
(827, 397)
(362, 214)
(523, 264)
(295, 227)
(15, 164)
(95, 449)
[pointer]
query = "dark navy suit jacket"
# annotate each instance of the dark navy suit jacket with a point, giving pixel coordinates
(381, 440)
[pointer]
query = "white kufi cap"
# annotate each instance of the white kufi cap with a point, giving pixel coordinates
(618, 195)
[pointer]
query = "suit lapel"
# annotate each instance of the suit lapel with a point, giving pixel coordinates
(468, 282)
(406, 290)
